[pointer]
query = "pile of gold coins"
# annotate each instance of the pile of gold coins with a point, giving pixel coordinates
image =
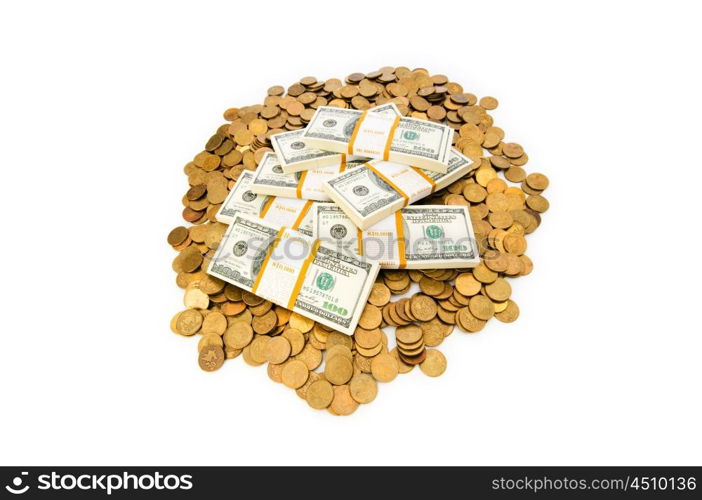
(327, 369)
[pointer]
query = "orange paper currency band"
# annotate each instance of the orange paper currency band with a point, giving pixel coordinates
(426, 178)
(343, 163)
(359, 238)
(391, 134)
(269, 252)
(390, 183)
(266, 207)
(303, 273)
(298, 191)
(400, 239)
(303, 212)
(355, 131)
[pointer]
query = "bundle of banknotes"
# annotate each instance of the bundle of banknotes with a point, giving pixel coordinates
(312, 225)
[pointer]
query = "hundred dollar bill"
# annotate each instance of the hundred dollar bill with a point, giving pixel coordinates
(269, 179)
(294, 271)
(408, 141)
(289, 212)
(377, 189)
(417, 237)
(296, 155)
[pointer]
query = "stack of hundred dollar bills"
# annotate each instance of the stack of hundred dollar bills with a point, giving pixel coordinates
(310, 228)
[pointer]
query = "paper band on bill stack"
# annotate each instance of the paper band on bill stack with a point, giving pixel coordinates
(372, 135)
(280, 278)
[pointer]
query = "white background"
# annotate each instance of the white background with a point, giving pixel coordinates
(102, 105)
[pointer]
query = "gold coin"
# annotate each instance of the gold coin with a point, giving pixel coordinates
(384, 367)
(211, 358)
(343, 404)
(422, 307)
(209, 339)
(484, 175)
(320, 394)
(515, 174)
(258, 126)
(501, 219)
(338, 370)
(337, 338)
(436, 113)
(371, 317)
(483, 274)
(419, 103)
(537, 181)
(243, 137)
(510, 314)
(397, 285)
(239, 335)
(434, 364)
(467, 285)
(537, 203)
(275, 372)
(496, 186)
(408, 334)
(413, 360)
(310, 356)
(367, 339)
(514, 265)
(494, 259)
(527, 265)
(311, 378)
(434, 328)
(196, 299)
(456, 199)
(500, 306)
(295, 374)
(232, 308)
(177, 236)
(174, 322)
(432, 334)
(230, 353)
(264, 324)
(481, 307)
(277, 350)
(214, 322)
(496, 202)
(339, 350)
(296, 339)
(475, 193)
(361, 363)
(515, 244)
(380, 295)
(211, 285)
(512, 150)
(413, 351)
(498, 290)
(401, 365)
(300, 322)
(283, 315)
(258, 348)
(319, 335)
(369, 353)
(246, 354)
(363, 388)
(430, 286)
(488, 102)
(189, 322)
